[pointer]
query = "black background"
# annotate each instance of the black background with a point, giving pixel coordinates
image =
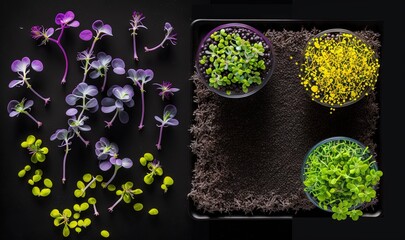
(27, 217)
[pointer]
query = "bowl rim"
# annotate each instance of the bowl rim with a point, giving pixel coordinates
(320, 34)
(326, 140)
(239, 25)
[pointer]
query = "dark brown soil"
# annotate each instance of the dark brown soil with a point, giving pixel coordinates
(249, 151)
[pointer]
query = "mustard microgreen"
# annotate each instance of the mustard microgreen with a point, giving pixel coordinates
(100, 29)
(139, 78)
(33, 145)
(92, 201)
(89, 181)
(64, 21)
(15, 108)
(136, 23)
(64, 219)
(21, 67)
(169, 112)
(155, 169)
(340, 175)
(153, 211)
(117, 98)
(167, 182)
(126, 194)
(105, 233)
(169, 36)
(166, 90)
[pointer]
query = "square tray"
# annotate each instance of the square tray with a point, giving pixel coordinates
(200, 27)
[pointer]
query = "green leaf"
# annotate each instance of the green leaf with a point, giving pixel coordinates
(76, 207)
(84, 206)
(86, 222)
(153, 211)
(92, 200)
(72, 224)
(137, 191)
(30, 139)
(79, 193)
(127, 198)
(105, 233)
(168, 181)
(36, 191)
(21, 173)
(66, 231)
(87, 177)
(138, 206)
(54, 213)
(142, 161)
(45, 192)
(148, 179)
(76, 215)
(48, 183)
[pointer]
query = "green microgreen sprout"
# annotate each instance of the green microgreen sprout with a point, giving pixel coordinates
(154, 168)
(340, 175)
(147, 157)
(234, 59)
(91, 183)
(153, 211)
(93, 202)
(167, 182)
(38, 153)
(126, 194)
(63, 219)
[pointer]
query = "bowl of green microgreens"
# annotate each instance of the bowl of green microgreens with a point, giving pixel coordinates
(338, 68)
(235, 60)
(340, 175)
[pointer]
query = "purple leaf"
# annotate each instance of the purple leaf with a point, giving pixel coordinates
(126, 163)
(74, 24)
(16, 83)
(37, 65)
(97, 25)
(108, 109)
(11, 105)
(71, 99)
(94, 74)
(123, 116)
(107, 102)
(105, 165)
(171, 110)
(118, 66)
(71, 112)
(157, 118)
(13, 114)
(28, 104)
(172, 122)
(92, 103)
(86, 35)
(20, 65)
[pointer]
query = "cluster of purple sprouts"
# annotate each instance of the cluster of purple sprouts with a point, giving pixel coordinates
(83, 100)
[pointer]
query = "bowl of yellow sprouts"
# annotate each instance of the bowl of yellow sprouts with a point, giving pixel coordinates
(338, 68)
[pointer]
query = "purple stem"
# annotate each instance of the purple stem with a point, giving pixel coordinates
(64, 163)
(86, 70)
(158, 46)
(113, 176)
(36, 121)
(46, 100)
(81, 138)
(158, 146)
(134, 44)
(95, 210)
(64, 55)
(143, 107)
(109, 124)
(110, 209)
(105, 81)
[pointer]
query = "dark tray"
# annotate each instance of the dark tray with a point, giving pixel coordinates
(200, 27)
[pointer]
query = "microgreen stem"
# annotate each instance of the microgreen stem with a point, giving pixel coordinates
(143, 109)
(81, 138)
(88, 185)
(105, 81)
(134, 45)
(109, 124)
(64, 163)
(46, 100)
(110, 209)
(86, 66)
(64, 55)
(158, 46)
(158, 146)
(113, 176)
(95, 210)
(35, 120)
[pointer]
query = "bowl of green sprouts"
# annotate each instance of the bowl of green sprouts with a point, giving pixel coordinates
(340, 175)
(235, 60)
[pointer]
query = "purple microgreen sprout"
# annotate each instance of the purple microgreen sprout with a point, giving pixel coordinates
(15, 107)
(84, 94)
(126, 194)
(117, 97)
(64, 21)
(139, 78)
(100, 67)
(169, 112)
(136, 23)
(166, 90)
(21, 67)
(100, 30)
(170, 36)
(64, 135)
(107, 153)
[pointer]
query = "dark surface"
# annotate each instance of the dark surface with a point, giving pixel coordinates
(26, 217)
